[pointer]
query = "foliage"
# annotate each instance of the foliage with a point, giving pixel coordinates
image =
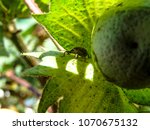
(74, 85)
(82, 88)
(71, 22)
(14, 95)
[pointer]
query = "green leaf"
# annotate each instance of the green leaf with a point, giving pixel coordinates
(43, 5)
(71, 21)
(144, 109)
(84, 96)
(82, 88)
(139, 96)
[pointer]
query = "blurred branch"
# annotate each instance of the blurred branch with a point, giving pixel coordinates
(10, 74)
(19, 43)
(36, 10)
(33, 6)
(13, 34)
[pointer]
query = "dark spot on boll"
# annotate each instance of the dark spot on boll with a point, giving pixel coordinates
(133, 45)
(143, 97)
(57, 85)
(107, 91)
(134, 96)
(98, 29)
(77, 105)
(112, 101)
(70, 80)
(104, 108)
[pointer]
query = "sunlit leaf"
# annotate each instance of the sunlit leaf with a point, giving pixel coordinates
(71, 21)
(80, 92)
(83, 88)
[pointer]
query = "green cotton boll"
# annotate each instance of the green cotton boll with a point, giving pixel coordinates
(121, 46)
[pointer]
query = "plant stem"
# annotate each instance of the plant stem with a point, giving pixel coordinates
(20, 45)
(10, 74)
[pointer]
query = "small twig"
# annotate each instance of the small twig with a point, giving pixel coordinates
(33, 6)
(36, 10)
(19, 43)
(10, 74)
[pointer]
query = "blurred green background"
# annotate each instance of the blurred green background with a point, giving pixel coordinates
(19, 33)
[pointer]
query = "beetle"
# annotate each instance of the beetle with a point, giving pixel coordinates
(78, 51)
